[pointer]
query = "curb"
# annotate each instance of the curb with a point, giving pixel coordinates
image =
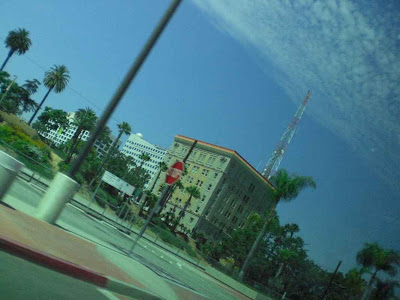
(57, 264)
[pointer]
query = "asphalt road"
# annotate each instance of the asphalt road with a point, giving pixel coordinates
(161, 262)
(21, 280)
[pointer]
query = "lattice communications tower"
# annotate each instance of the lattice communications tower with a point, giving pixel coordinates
(275, 160)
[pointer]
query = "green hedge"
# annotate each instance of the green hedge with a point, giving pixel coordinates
(32, 152)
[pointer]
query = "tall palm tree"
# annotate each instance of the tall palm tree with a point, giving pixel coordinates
(194, 192)
(144, 158)
(124, 128)
(287, 188)
(379, 259)
(84, 119)
(162, 167)
(17, 41)
(57, 78)
(292, 228)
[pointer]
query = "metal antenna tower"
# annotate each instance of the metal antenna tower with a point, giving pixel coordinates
(275, 160)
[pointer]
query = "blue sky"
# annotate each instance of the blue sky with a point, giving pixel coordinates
(233, 74)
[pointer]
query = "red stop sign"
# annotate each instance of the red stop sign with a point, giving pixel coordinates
(174, 173)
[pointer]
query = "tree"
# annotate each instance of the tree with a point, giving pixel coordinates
(84, 119)
(18, 41)
(162, 167)
(385, 290)
(144, 158)
(286, 189)
(17, 99)
(379, 259)
(149, 200)
(124, 128)
(105, 135)
(354, 283)
(29, 88)
(57, 78)
(52, 119)
(194, 192)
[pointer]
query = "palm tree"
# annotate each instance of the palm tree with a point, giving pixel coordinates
(144, 158)
(286, 189)
(57, 78)
(162, 167)
(385, 290)
(148, 199)
(375, 257)
(194, 192)
(124, 128)
(292, 229)
(84, 119)
(17, 41)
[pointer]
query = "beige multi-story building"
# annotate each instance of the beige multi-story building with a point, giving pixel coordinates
(230, 188)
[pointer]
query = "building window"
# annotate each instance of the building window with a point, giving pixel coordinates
(234, 220)
(215, 175)
(209, 187)
(204, 172)
(201, 157)
(246, 199)
(189, 179)
(195, 169)
(199, 182)
(211, 160)
(203, 197)
(197, 209)
(191, 219)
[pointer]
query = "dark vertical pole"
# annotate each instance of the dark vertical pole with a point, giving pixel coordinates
(330, 282)
(112, 105)
(160, 202)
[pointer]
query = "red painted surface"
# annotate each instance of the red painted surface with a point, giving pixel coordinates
(174, 173)
(52, 262)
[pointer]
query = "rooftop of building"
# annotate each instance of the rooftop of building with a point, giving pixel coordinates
(139, 135)
(224, 149)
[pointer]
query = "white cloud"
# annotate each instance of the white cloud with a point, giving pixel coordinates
(347, 55)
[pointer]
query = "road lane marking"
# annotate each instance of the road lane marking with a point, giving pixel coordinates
(108, 294)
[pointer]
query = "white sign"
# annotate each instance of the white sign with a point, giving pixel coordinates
(118, 183)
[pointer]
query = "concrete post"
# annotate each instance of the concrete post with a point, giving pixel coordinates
(9, 168)
(59, 193)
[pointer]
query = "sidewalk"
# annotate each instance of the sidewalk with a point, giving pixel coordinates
(189, 276)
(50, 244)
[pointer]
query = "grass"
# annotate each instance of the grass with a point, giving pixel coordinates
(14, 120)
(43, 170)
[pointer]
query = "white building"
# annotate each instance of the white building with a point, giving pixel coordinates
(60, 136)
(136, 145)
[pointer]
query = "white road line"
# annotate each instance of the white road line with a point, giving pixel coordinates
(108, 294)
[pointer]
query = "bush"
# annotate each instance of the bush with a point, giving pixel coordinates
(21, 142)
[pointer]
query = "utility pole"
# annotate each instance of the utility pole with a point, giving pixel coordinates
(330, 282)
